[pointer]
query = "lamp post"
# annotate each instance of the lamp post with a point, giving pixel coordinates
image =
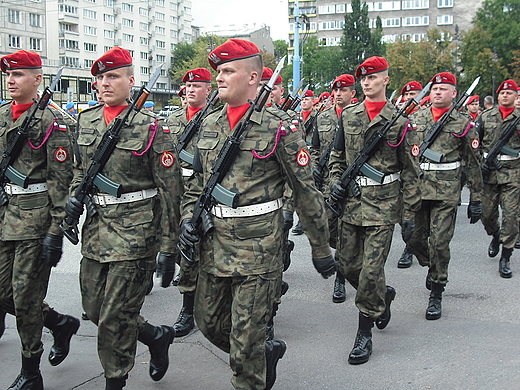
(296, 45)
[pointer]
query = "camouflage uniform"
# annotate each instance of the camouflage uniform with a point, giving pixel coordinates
(440, 190)
(503, 187)
(28, 217)
(367, 224)
(241, 258)
(120, 242)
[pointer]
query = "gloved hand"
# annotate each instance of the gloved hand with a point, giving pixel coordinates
(337, 192)
(166, 267)
(474, 211)
(189, 235)
(407, 228)
(288, 220)
(74, 208)
(52, 249)
(319, 179)
(326, 266)
(486, 171)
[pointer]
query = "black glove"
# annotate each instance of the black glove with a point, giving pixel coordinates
(407, 228)
(486, 171)
(166, 267)
(288, 220)
(52, 249)
(474, 211)
(326, 267)
(317, 174)
(189, 235)
(337, 192)
(74, 208)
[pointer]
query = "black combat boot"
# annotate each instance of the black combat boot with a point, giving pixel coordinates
(2, 323)
(406, 258)
(298, 229)
(62, 327)
(116, 383)
(363, 344)
(434, 311)
(340, 294)
(428, 283)
(384, 318)
(30, 377)
(185, 322)
(503, 264)
(287, 257)
(158, 340)
(274, 351)
(517, 243)
(494, 246)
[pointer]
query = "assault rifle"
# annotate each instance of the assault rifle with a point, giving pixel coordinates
(226, 157)
(311, 125)
(323, 161)
(106, 147)
(289, 100)
(491, 160)
(299, 98)
(439, 125)
(359, 165)
(193, 128)
(19, 138)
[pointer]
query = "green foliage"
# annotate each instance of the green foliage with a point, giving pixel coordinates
(356, 39)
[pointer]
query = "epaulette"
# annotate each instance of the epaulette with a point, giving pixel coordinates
(96, 107)
(486, 110)
(149, 113)
(278, 113)
(353, 105)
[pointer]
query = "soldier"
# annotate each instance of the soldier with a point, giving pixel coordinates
(31, 216)
(489, 102)
(502, 186)
(441, 186)
(71, 110)
(120, 238)
(198, 88)
(473, 106)
(343, 91)
(182, 95)
(241, 257)
(149, 105)
(367, 224)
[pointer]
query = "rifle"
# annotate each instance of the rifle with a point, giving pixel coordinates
(299, 98)
(359, 165)
(323, 161)
(438, 126)
(392, 95)
(19, 138)
(491, 160)
(193, 128)
(311, 125)
(289, 100)
(106, 147)
(231, 148)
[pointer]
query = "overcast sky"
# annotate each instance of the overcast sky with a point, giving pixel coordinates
(216, 15)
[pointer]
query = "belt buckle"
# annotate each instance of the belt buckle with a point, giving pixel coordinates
(362, 181)
(8, 189)
(101, 200)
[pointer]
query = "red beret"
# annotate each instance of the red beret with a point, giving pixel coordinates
(268, 73)
(371, 65)
(508, 84)
(354, 100)
(425, 100)
(115, 58)
(345, 80)
(473, 99)
(308, 93)
(199, 74)
(22, 59)
(324, 96)
(93, 86)
(411, 86)
(182, 91)
(444, 78)
(232, 50)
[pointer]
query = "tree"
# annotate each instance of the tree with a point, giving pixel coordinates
(182, 54)
(356, 38)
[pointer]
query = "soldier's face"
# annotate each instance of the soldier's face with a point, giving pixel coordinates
(343, 96)
(235, 81)
(114, 86)
(307, 103)
(473, 107)
(374, 85)
(276, 93)
(410, 95)
(441, 95)
(197, 93)
(22, 84)
(506, 98)
(517, 101)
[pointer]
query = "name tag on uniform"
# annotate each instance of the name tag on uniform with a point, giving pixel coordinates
(210, 134)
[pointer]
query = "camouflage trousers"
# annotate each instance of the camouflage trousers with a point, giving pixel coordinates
(333, 227)
(188, 273)
(361, 255)
(24, 278)
(430, 243)
(508, 197)
(232, 313)
(112, 296)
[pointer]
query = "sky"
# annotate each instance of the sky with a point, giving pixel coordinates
(214, 15)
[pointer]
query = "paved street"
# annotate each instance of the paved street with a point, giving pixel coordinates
(475, 345)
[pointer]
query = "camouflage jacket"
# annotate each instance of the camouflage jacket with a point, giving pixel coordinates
(253, 245)
(130, 231)
(49, 161)
(457, 141)
(491, 127)
(380, 204)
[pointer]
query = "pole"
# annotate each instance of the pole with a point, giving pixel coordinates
(296, 45)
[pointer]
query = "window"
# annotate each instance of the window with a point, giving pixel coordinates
(172, 47)
(109, 34)
(340, 8)
(69, 61)
(159, 16)
(161, 85)
(187, 10)
(145, 70)
(160, 58)
(69, 44)
(107, 48)
(327, 9)
(444, 3)
(187, 37)
(143, 55)
(128, 37)
(443, 20)
(89, 14)
(160, 30)
(35, 44)
(144, 41)
(127, 7)
(128, 22)
(174, 19)
(160, 44)
(15, 41)
(90, 47)
(386, 22)
(159, 3)
(174, 34)
(334, 41)
(144, 26)
(416, 21)
(88, 30)
(174, 6)
(390, 38)
(416, 4)
(108, 3)
(143, 11)
(68, 9)
(332, 25)
(68, 27)
(90, 1)
(385, 6)
(89, 63)
(107, 18)
(163, 72)
(14, 16)
(35, 20)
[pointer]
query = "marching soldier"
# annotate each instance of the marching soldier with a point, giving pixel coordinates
(120, 236)
(501, 186)
(366, 226)
(473, 106)
(31, 216)
(241, 257)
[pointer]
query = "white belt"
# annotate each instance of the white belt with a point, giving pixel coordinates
(222, 211)
(364, 181)
(105, 199)
(187, 172)
(504, 157)
(13, 189)
(426, 166)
